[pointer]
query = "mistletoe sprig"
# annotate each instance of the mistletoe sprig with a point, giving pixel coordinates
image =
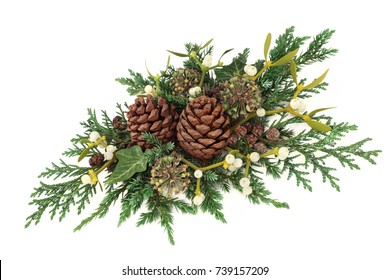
(200, 130)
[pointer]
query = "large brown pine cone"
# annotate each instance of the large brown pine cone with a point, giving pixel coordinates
(203, 128)
(160, 119)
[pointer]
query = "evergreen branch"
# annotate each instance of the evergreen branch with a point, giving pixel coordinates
(160, 208)
(212, 202)
(112, 195)
(135, 83)
(316, 51)
(63, 170)
(58, 198)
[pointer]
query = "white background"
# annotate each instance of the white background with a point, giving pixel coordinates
(59, 57)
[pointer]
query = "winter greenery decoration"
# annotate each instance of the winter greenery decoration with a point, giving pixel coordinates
(200, 130)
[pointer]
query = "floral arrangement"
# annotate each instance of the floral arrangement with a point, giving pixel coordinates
(203, 129)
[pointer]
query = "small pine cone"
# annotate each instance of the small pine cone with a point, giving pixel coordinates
(233, 139)
(258, 130)
(203, 129)
(272, 134)
(261, 147)
(248, 126)
(241, 131)
(251, 139)
(119, 124)
(160, 119)
(182, 80)
(96, 160)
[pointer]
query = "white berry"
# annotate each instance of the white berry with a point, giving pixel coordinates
(260, 112)
(232, 168)
(254, 157)
(111, 148)
(237, 163)
(247, 190)
(86, 179)
(283, 153)
(198, 199)
(245, 182)
(148, 89)
(197, 89)
(250, 70)
(302, 107)
(108, 155)
(198, 174)
(207, 61)
(295, 103)
(192, 92)
(229, 159)
(94, 136)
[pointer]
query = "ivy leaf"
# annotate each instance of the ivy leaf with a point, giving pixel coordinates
(236, 67)
(131, 161)
(318, 126)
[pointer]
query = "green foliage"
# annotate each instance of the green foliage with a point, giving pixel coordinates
(135, 83)
(129, 173)
(131, 161)
(160, 209)
(59, 198)
(233, 69)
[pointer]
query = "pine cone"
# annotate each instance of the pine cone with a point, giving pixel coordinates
(160, 119)
(203, 128)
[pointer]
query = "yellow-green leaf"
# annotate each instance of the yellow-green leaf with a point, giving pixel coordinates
(208, 43)
(267, 44)
(317, 81)
(83, 154)
(319, 126)
(168, 62)
(285, 58)
(225, 52)
(178, 54)
(312, 113)
(293, 71)
(146, 66)
(84, 141)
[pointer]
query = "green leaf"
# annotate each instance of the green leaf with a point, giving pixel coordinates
(83, 154)
(317, 81)
(318, 126)
(205, 45)
(293, 71)
(147, 69)
(225, 52)
(84, 141)
(267, 44)
(233, 69)
(312, 113)
(131, 161)
(285, 58)
(178, 54)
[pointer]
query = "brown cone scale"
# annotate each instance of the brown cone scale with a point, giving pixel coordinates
(203, 128)
(160, 119)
